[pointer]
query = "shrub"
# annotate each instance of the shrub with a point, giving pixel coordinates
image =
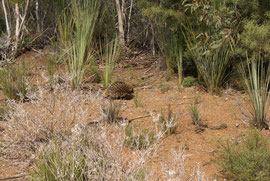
(168, 123)
(189, 81)
(13, 82)
(248, 160)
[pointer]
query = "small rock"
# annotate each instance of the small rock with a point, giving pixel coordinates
(237, 125)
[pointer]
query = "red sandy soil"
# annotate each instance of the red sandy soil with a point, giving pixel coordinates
(230, 107)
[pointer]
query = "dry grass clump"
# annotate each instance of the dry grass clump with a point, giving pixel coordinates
(110, 111)
(49, 115)
(141, 140)
(175, 168)
(168, 123)
(91, 153)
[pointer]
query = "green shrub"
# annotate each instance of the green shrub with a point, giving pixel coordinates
(142, 140)
(13, 82)
(168, 123)
(189, 81)
(247, 160)
(164, 88)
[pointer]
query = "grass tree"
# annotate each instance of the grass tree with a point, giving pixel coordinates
(76, 27)
(256, 79)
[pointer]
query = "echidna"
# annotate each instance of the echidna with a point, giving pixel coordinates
(119, 90)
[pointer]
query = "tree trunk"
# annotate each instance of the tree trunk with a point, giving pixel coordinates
(37, 16)
(7, 23)
(19, 24)
(129, 19)
(17, 27)
(120, 23)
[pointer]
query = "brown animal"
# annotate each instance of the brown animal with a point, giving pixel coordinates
(119, 90)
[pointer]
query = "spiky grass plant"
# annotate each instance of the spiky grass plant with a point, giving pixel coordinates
(168, 123)
(138, 99)
(211, 62)
(13, 82)
(110, 57)
(257, 80)
(142, 140)
(80, 53)
(111, 112)
(194, 112)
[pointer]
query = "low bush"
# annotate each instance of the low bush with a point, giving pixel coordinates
(247, 160)
(189, 81)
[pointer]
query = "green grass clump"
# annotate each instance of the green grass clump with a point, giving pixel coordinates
(55, 164)
(110, 57)
(13, 82)
(168, 123)
(189, 81)
(139, 141)
(247, 160)
(194, 112)
(257, 81)
(164, 88)
(138, 100)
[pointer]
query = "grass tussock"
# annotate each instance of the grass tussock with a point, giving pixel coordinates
(211, 63)
(194, 112)
(141, 140)
(13, 82)
(110, 57)
(111, 111)
(247, 160)
(138, 99)
(168, 123)
(256, 80)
